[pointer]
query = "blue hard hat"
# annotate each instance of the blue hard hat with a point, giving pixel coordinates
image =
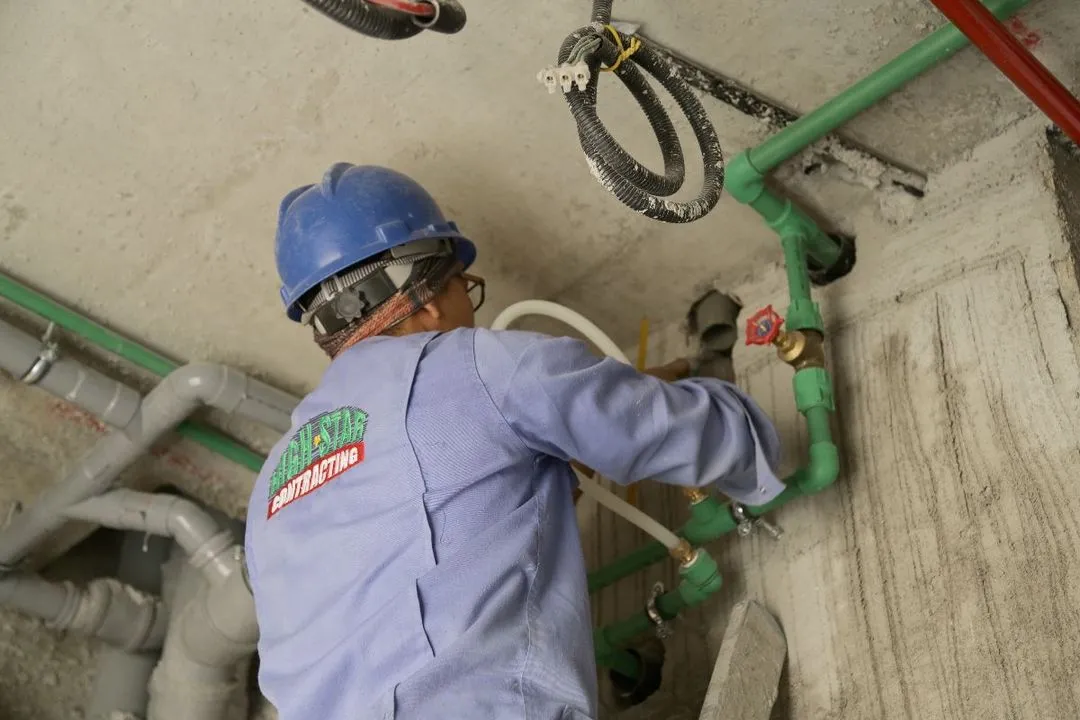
(353, 215)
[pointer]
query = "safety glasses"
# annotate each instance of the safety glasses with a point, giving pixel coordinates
(474, 286)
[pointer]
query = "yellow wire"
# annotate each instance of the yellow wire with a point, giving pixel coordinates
(624, 52)
(642, 356)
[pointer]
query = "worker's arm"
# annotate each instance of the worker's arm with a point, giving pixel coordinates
(562, 400)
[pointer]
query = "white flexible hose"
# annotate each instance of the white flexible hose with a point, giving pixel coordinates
(627, 511)
(596, 336)
(564, 315)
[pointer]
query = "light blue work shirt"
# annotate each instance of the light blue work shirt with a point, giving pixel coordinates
(412, 543)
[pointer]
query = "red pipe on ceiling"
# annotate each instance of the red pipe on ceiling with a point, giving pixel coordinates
(1014, 60)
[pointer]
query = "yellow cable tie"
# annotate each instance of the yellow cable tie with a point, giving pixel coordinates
(624, 52)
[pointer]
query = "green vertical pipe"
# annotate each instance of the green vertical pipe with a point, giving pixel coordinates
(936, 47)
(699, 581)
(803, 313)
(133, 352)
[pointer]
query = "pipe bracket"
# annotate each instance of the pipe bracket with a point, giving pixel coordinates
(50, 353)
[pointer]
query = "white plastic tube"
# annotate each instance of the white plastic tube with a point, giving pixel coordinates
(627, 511)
(564, 315)
(589, 487)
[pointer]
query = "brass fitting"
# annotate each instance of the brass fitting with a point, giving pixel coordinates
(695, 495)
(683, 553)
(801, 348)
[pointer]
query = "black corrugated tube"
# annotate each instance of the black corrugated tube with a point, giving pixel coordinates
(387, 24)
(635, 185)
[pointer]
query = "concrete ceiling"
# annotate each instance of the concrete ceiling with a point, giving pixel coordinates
(147, 145)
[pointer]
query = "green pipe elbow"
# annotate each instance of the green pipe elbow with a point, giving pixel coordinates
(822, 470)
(742, 181)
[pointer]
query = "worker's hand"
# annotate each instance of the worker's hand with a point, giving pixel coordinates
(674, 370)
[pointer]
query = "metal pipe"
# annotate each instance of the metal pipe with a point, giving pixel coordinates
(936, 47)
(133, 352)
(112, 401)
(165, 407)
(193, 529)
(1015, 62)
(106, 609)
(122, 677)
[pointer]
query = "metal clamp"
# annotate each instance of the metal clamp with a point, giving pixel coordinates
(49, 354)
(745, 523)
(663, 628)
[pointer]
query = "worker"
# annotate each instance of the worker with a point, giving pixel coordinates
(411, 542)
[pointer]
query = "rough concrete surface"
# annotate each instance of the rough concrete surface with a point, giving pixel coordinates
(152, 142)
(937, 578)
(748, 667)
(147, 146)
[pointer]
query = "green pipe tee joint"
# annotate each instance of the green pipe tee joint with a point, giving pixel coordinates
(742, 180)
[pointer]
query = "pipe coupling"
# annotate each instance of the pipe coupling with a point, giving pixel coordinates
(696, 495)
(801, 348)
(683, 553)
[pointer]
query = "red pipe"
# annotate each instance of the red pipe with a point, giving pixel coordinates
(1014, 60)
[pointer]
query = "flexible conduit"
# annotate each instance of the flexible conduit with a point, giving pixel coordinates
(382, 22)
(631, 182)
(596, 336)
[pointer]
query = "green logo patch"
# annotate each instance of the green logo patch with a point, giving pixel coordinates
(322, 449)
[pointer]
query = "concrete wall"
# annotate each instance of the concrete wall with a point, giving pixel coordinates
(937, 578)
(148, 144)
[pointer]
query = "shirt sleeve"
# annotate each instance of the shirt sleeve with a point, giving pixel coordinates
(564, 401)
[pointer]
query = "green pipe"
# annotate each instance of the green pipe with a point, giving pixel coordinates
(700, 580)
(936, 47)
(744, 175)
(68, 319)
(131, 351)
(639, 559)
(784, 218)
(803, 313)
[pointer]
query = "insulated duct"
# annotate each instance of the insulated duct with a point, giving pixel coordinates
(631, 182)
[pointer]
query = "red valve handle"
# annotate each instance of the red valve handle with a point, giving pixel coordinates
(763, 327)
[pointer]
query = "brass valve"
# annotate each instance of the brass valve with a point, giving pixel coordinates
(798, 348)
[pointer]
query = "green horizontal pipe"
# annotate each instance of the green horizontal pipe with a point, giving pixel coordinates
(222, 444)
(645, 556)
(143, 357)
(936, 47)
